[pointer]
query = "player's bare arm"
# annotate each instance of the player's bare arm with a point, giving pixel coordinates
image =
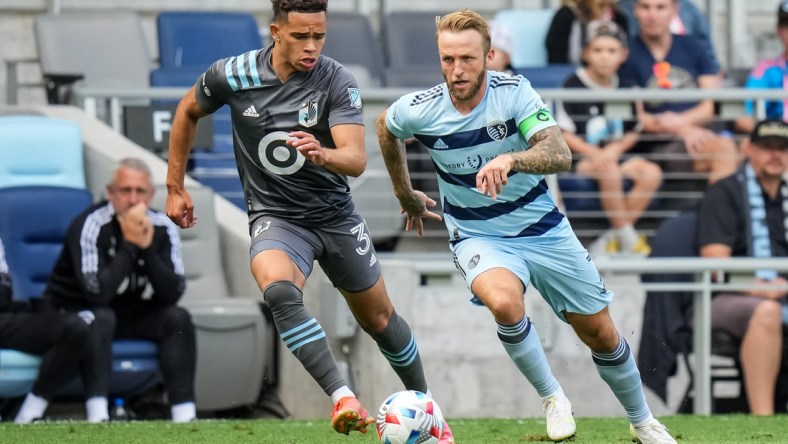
(414, 203)
(548, 154)
(349, 158)
(184, 127)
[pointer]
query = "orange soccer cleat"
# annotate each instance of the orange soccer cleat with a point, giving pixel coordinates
(348, 415)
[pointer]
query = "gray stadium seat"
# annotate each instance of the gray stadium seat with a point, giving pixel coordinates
(351, 41)
(409, 43)
(234, 340)
(107, 49)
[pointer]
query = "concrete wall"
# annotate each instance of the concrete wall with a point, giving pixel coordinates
(468, 371)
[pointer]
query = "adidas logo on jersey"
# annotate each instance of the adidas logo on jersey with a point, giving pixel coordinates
(440, 145)
(251, 112)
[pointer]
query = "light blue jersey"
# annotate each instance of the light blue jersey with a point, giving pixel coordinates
(460, 145)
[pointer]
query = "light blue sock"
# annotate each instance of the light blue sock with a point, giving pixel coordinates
(619, 371)
(524, 347)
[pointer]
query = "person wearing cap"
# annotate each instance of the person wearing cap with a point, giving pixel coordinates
(744, 215)
(769, 74)
(568, 28)
(602, 143)
(683, 133)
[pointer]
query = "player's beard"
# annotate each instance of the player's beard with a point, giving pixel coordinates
(475, 85)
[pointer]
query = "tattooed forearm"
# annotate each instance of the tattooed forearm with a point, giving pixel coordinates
(548, 153)
(394, 156)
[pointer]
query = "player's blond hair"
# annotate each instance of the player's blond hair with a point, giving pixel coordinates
(462, 20)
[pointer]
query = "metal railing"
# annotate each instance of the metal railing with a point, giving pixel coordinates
(111, 101)
(703, 270)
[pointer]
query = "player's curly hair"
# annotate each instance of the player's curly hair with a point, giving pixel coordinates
(462, 20)
(284, 7)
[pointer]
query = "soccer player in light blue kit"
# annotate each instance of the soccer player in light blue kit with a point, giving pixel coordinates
(492, 139)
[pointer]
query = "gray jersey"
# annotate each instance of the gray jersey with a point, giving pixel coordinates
(277, 179)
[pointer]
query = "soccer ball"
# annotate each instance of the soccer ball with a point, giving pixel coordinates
(409, 417)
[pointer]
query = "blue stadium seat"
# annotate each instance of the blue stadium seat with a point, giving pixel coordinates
(18, 372)
(550, 76)
(188, 43)
(529, 29)
(33, 227)
(197, 39)
(37, 150)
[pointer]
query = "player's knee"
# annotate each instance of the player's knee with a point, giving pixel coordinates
(102, 319)
(281, 294)
(177, 319)
(767, 315)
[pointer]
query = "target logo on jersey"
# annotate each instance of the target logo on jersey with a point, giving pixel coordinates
(277, 156)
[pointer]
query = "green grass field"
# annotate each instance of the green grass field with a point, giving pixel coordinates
(687, 429)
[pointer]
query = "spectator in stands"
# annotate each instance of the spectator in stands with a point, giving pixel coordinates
(568, 29)
(746, 214)
(602, 143)
(769, 74)
(502, 41)
(660, 59)
(688, 20)
(59, 337)
(121, 267)
(298, 137)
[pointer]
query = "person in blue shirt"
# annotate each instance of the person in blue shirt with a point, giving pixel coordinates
(661, 59)
(769, 74)
(492, 140)
(688, 20)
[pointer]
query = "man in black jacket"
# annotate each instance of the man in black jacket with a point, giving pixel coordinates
(121, 266)
(58, 337)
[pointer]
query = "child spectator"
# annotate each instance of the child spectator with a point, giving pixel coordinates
(601, 143)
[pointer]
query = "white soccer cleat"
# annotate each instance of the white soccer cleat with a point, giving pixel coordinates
(652, 432)
(560, 422)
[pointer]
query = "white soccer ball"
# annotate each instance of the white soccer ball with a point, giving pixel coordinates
(409, 417)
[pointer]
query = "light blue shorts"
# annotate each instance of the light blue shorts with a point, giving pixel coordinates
(555, 262)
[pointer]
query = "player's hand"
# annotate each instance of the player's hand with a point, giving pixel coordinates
(309, 147)
(493, 176)
(136, 227)
(180, 208)
(415, 206)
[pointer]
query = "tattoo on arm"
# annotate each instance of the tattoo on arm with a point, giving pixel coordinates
(548, 153)
(393, 151)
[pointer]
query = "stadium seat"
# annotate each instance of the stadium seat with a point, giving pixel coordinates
(39, 150)
(227, 376)
(409, 44)
(549, 76)
(33, 227)
(351, 41)
(190, 39)
(102, 49)
(529, 29)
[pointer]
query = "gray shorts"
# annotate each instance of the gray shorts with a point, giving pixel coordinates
(732, 312)
(343, 249)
